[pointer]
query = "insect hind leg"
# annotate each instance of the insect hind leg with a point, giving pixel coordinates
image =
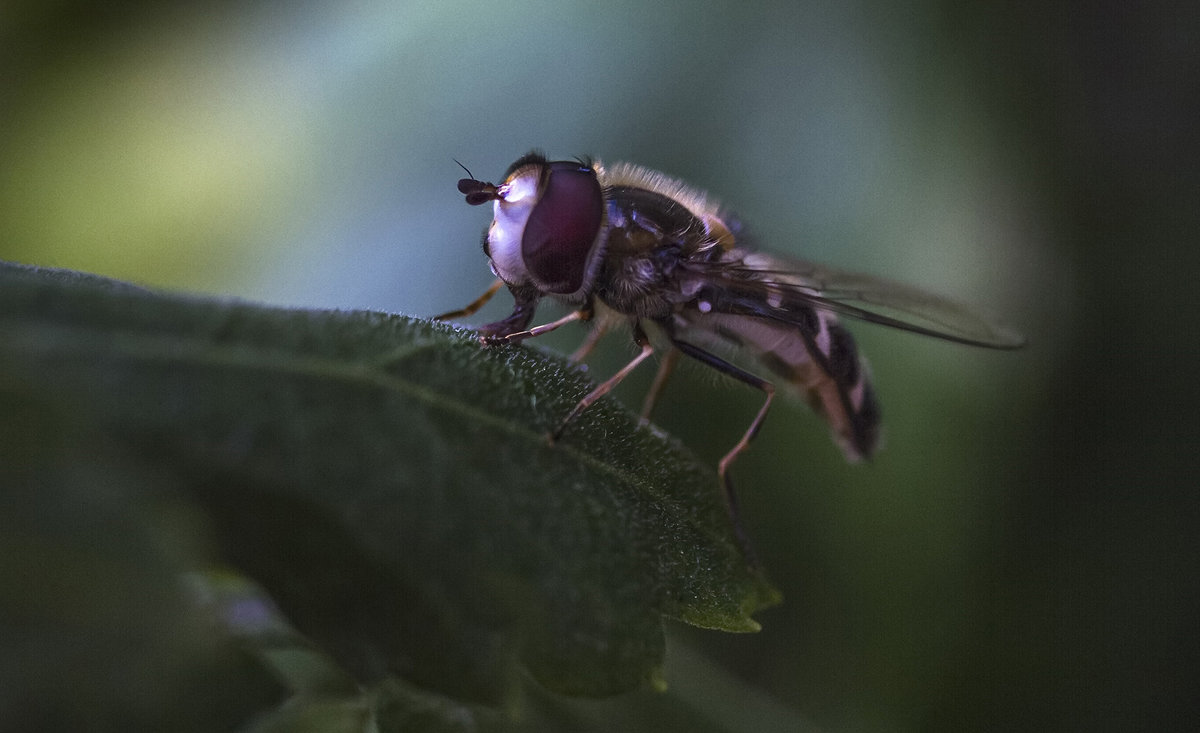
(731, 502)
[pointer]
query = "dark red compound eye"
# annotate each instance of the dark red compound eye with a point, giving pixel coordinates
(562, 228)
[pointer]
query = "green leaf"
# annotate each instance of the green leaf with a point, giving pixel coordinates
(389, 482)
(94, 630)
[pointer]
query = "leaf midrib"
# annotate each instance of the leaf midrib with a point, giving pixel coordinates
(188, 349)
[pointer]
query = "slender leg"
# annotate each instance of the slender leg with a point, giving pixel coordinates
(723, 466)
(583, 314)
(525, 303)
(660, 381)
(607, 385)
(474, 305)
(589, 343)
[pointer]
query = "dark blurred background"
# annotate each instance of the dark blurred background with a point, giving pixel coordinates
(1020, 556)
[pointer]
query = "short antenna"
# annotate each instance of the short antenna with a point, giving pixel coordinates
(469, 173)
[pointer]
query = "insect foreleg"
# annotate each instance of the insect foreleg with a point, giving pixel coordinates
(474, 305)
(583, 314)
(525, 303)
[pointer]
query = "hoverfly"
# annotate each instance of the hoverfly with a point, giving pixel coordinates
(624, 243)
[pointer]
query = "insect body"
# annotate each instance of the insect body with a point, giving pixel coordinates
(638, 246)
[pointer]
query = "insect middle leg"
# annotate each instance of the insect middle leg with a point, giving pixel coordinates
(607, 385)
(727, 460)
(589, 342)
(665, 368)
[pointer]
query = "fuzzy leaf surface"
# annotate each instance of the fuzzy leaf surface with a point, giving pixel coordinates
(389, 483)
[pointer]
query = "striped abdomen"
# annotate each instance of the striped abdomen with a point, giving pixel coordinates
(817, 357)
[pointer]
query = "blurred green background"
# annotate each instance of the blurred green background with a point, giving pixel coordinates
(1020, 556)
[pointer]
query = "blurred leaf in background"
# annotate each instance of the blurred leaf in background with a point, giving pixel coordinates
(1020, 555)
(95, 632)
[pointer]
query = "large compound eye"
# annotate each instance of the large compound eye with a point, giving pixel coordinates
(563, 227)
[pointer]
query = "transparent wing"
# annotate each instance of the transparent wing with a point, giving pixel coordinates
(773, 287)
